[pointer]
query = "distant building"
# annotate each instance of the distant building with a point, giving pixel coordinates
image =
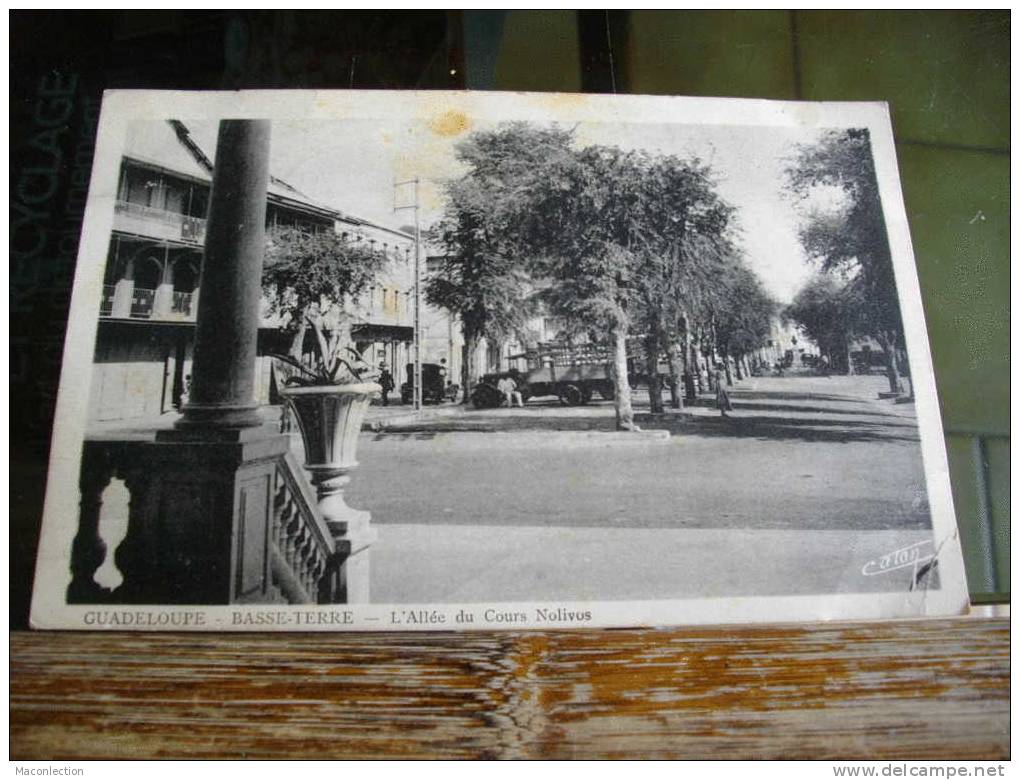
(785, 344)
(151, 285)
(443, 338)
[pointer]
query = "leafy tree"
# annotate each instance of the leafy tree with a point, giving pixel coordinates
(306, 276)
(832, 314)
(850, 235)
(582, 226)
(483, 275)
(611, 240)
(680, 225)
(743, 315)
(532, 205)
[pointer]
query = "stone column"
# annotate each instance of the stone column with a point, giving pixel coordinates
(163, 301)
(202, 504)
(123, 292)
(223, 372)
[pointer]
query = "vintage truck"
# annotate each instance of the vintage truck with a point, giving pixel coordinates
(571, 372)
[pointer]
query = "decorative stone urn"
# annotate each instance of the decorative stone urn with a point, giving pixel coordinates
(330, 418)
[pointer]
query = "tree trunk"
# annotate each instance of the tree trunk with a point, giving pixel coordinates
(739, 368)
(909, 390)
(497, 348)
(673, 378)
(467, 366)
(891, 369)
(725, 355)
(675, 356)
(678, 364)
(690, 377)
(849, 359)
(694, 367)
(624, 410)
(652, 366)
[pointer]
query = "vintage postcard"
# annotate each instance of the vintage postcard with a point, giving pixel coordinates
(434, 360)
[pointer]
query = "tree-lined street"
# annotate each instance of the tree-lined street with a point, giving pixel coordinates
(801, 468)
(589, 277)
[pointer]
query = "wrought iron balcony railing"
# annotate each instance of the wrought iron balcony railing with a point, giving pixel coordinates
(181, 303)
(162, 223)
(142, 301)
(106, 304)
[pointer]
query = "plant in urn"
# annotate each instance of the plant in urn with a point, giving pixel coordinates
(329, 398)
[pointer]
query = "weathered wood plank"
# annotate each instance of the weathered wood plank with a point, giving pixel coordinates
(919, 689)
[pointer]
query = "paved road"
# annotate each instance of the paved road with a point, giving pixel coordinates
(799, 454)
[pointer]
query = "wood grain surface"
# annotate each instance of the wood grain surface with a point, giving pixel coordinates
(885, 690)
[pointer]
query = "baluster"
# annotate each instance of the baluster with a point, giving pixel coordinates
(303, 553)
(313, 570)
(136, 556)
(279, 524)
(313, 554)
(317, 575)
(276, 528)
(281, 510)
(88, 551)
(290, 542)
(300, 551)
(293, 533)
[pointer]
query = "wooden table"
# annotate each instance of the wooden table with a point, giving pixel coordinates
(930, 690)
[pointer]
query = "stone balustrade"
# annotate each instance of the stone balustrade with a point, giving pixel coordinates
(304, 553)
(275, 549)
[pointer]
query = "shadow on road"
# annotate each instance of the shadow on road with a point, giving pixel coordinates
(484, 422)
(740, 425)
(784, 396)
(740, 403)
(839, 431)
(757, 414)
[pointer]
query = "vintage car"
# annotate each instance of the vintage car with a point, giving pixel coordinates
(434, 389)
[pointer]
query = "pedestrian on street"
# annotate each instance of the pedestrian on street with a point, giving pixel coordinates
(386, 380)
(722, 398)
(508, 387)
(185, 394)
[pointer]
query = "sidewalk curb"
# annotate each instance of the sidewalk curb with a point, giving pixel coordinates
(531, 439)
(685, 415)
(377, 426)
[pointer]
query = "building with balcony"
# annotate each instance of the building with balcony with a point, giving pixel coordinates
(152, 281)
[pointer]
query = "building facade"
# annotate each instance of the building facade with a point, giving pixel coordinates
(152, 281)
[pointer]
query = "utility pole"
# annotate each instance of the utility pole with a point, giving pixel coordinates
(417, 285)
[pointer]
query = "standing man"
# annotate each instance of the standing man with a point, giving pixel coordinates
(387, 383)
(722, 398)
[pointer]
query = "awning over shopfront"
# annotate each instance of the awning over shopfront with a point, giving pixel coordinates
(371, 332)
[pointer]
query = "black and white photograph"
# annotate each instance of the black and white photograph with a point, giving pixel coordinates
(405, 361)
